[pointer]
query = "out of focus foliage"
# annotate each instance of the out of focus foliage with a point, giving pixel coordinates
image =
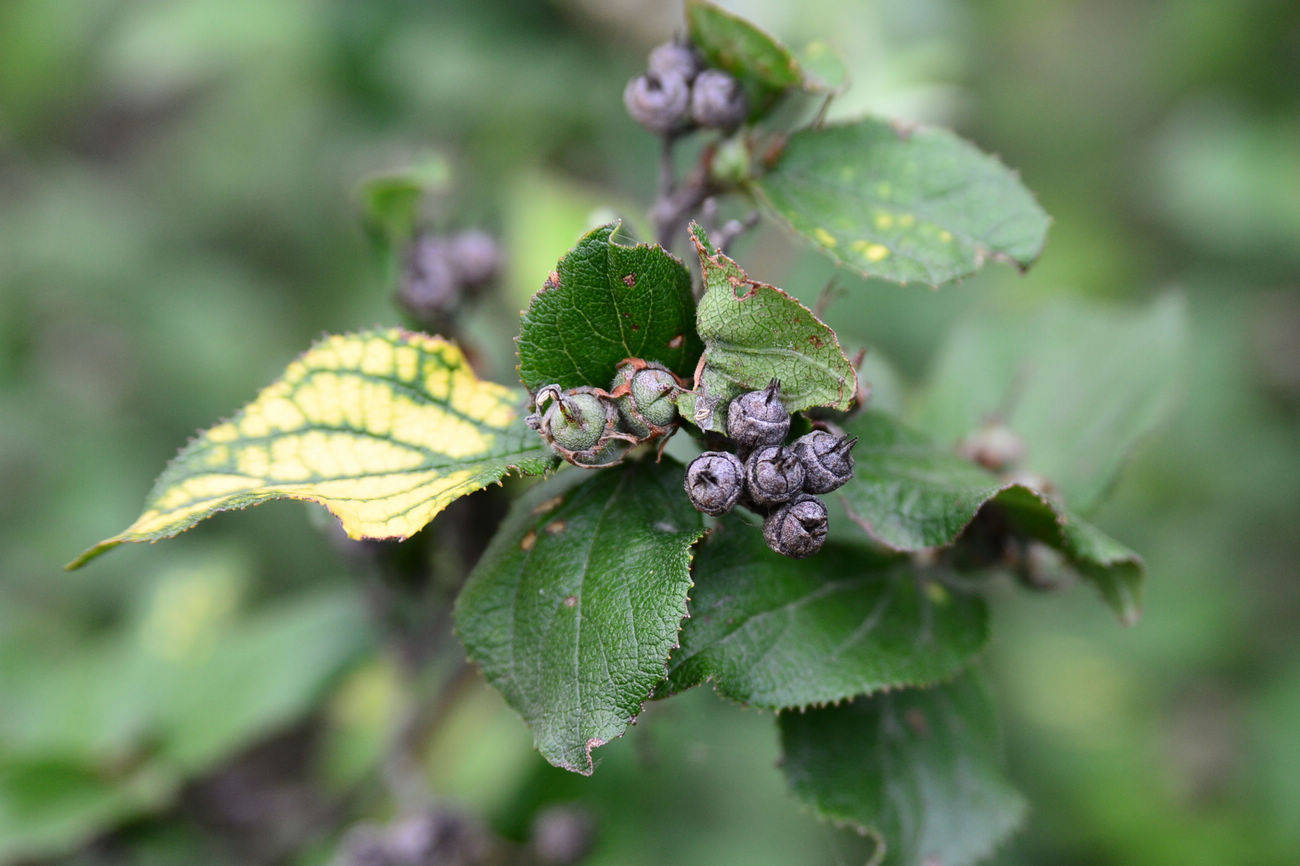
(178, 217)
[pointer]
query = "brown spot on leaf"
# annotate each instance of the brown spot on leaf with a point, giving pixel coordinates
(677, 342)
(552, 280)
(571, 601)
(549, 505)
(903, 129)
(816, 340)
(529, 539)
(555, 527)
(629, 280)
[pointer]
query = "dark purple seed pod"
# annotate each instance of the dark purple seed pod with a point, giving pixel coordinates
(827, 460)
(758, 418)
(563, 835)
(475, 256)
(430, 286)
(659, 103)
(674, 58)
(773, 475)
(798, 528)
(714, 482)
(717, 100)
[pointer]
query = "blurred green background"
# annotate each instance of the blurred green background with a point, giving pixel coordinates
(178, 220)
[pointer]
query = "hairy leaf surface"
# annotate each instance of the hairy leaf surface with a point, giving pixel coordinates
(917, 769)
(777, 632)
(384, 428)
(606, 302)
(754, 333)
(909, 494)
(573, 609)
(905, 204)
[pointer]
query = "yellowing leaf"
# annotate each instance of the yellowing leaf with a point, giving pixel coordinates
(384, 428)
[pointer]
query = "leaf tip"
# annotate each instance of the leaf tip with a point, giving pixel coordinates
(92, 553)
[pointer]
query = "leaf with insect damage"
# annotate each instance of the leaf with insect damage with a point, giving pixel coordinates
(603, 303)
(754, 333)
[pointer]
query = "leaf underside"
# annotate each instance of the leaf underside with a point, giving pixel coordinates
(906, 205)
(754, 333)
(573, 610)
(909, 495)
(606, 302)
(384, 428)
(775, 632)
(917, 769)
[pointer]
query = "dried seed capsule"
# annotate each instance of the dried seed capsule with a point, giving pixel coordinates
(475, 256)
(430, 287)
(674, 58)
(773, 475)
(758, 418)
(798, 528)
(650, 405)
(714, 481)
(660, 103)
(717, 100)
(826, 458)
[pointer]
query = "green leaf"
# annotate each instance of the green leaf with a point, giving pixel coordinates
(390, 200)
(575, 606)
(777, 632)
(181, 691)
(917, 769)
(754, 333)
(603, 303)
(1079, 384)
(270, 669)
(902, 203)
(909, 494)
(384, 428)
(764, 66)
(51, 806)
(825, 70)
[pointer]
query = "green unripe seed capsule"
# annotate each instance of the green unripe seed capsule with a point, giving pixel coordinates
(607, 452)
(654, 393)
(650, 404)
(576, 421)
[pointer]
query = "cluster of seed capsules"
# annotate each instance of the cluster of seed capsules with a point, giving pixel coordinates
(776, 480)
(592, 427)
(677, 93)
